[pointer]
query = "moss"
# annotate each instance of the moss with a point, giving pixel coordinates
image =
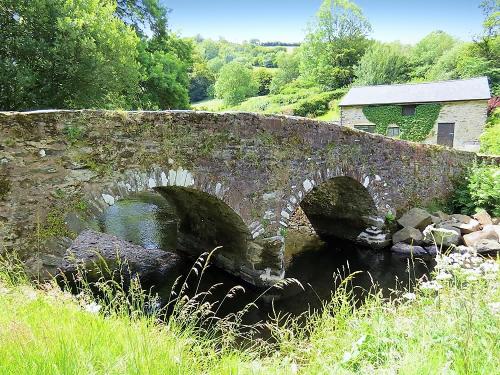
(5, 187)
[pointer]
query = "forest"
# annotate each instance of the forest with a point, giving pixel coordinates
(121, 54)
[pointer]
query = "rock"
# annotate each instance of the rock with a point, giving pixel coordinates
(375, 241)
(486, 234)
(408, 250)
(483, 217)
(90, 248)
(415, 218)
(487, 246)
(495, 221)
(496, 228)
(374, 221)
(472, 226)
(408, 235)
(442, 215)
(436, 219)
(461, 218)
(444, 236)
(431, 250)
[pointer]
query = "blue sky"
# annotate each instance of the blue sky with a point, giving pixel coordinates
(287, 20)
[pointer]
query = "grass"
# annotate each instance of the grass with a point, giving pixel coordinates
(451, 331)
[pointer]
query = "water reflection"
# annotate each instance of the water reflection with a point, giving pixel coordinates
(148, 220)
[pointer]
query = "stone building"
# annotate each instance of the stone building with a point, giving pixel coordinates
(449, 113)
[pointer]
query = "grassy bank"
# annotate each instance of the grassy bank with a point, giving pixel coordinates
(450, 326)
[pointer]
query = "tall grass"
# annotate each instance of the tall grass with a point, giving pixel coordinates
(44, 330)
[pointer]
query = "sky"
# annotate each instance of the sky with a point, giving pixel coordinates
(287, 20)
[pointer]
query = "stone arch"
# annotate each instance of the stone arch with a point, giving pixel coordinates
(324, 189)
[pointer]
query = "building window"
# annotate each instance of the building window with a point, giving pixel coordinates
(393, 131)
(409, 110)
(365, 128)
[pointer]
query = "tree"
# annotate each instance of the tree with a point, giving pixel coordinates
(263, 78)
(383, 64)
(336, 43)
(235, 83)
(144, 16)
(66, 54)
(288, 71)
(428, 51)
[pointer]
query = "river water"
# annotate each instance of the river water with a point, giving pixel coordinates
(148, 220)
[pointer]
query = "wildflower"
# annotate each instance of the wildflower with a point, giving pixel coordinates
(494, 307)
(431, 285)
(294, 368)
(443, 276)
(410, 296)
(93, 308)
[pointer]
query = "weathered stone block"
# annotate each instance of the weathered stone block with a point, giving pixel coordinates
(415, 218)
(408, 235)
(483, 217)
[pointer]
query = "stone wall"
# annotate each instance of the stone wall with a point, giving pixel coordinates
(58, 168)
(469, 118)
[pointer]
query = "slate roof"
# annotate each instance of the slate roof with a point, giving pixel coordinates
(442, 91)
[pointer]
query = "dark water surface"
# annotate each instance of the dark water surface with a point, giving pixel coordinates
(147, 220)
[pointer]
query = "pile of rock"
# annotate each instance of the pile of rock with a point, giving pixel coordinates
(423, 233)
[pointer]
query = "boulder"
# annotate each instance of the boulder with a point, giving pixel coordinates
(415, 218)
(431, 250)
(472, 226)
(486, 234)
(487, 246)
(436, 219)
(495, 221)
(408, 235)
(483, 217)
(461, 218)
(496, 228)
(441, 215)
(408, 250)
(91, 249)
(443, 236)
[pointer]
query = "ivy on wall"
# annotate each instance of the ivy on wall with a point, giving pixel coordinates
(413, 128)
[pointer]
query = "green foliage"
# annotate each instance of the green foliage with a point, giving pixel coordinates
(413, 128)
(383, 64)
(66, 54)
(318, 104)
(165, 78)
(335, 44)
(490, 139)
(479, 189)
(235, 84)
(263, 78)
(288, 71)
(425, 54)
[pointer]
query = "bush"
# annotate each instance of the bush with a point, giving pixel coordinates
(480, 189)
(490, 139)
(263, 78)
(235, 84)
(318, 104)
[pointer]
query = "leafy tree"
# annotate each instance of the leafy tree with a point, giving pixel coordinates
(144, 15)
(235, 84)
(263, 78)
(383, 64)
(66, 54)
(165, 78)
(428, 51)
(335, 44)
(288, 71)
(201, 80)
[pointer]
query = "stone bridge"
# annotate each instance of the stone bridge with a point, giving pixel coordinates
(235, 179)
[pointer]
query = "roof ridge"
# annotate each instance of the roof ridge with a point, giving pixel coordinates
(421, 83)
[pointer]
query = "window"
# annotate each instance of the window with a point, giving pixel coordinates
(365, 128)
(409, 110)
(393, 131)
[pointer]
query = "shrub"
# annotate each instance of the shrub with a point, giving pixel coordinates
(490, 139)
(480, 189)
(318, 104)
(235, 84)
(263, 78)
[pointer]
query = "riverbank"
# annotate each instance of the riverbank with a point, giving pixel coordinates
(449, 325)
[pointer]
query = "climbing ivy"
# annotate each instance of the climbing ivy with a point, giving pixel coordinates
(413, 128)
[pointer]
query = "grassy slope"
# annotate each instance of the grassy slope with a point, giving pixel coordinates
(47, 332)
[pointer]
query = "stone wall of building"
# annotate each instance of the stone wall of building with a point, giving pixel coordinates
(57, 168)
(469, 118)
